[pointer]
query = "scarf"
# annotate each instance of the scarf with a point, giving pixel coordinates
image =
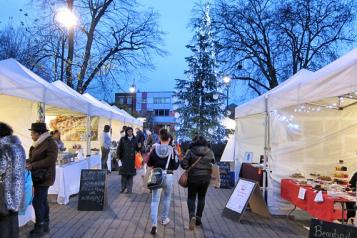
(41, 139)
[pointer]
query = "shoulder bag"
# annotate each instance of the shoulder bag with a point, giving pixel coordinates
(156, 178)
(183, 180)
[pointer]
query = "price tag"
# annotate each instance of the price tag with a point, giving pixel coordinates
(302, 192)
(319, 197)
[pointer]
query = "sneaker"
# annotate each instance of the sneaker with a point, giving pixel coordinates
(192, 223)
(165, 221)
(153, 230)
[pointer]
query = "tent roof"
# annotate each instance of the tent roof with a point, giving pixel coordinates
(16, 80)
(91, 108)
(335, 79)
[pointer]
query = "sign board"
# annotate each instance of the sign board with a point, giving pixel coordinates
(93, 190)
(246, 192)
(248, 157)
(323, 229)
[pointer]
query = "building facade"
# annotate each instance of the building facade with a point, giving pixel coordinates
(155, 107)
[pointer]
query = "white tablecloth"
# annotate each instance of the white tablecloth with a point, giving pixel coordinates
(95, 162)
(67, 180)
(28, 216)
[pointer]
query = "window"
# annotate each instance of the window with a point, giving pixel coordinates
(144, 101)
(129, 100)
(121, 100)
(162, 112)
(165, 100)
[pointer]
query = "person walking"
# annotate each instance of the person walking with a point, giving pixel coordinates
(162, 156)
(126, 150)
(140, 139)
(105, 146)
(199, 177)
(42, 164)
(12, 177)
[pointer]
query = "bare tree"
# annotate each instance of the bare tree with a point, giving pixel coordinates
(112, 39)
(263, 42)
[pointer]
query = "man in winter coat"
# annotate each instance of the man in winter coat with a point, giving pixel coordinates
(126, 150)
(42, 163)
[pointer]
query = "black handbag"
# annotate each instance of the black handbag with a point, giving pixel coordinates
(156, 178)
(40, 175)
(3, 208)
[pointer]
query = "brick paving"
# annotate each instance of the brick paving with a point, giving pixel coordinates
(128, 216)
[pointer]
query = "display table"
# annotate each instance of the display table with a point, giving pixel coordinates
(28, 216)
(324, 211)
(67, 180)
(94, 162)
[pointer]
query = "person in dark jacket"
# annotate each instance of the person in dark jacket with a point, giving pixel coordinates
(126, 150)
(162, 156)
(140, 138)
(12, 174)
(199, 177)
(42, 160)
(350, 205)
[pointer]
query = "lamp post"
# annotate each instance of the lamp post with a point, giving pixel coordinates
(132, 90)
(68, 20)
(226, 81)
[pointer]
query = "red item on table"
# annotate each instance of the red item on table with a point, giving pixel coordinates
(324, 211)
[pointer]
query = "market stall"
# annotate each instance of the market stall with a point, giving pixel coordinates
(304, 127)
(25, 98)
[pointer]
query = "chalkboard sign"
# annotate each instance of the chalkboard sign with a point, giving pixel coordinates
(246, 192)
(224, 169)
(92, 191)
(328, 229)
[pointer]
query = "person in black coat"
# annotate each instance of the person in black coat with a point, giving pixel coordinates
(350, 205)
(199, 177)
(126, 150)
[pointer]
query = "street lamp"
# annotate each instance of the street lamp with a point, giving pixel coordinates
(226, 81)
(132, 90)
(66, 19)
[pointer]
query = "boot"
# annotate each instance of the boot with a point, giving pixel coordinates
(198, 221)
(46, 227)
(38, 231)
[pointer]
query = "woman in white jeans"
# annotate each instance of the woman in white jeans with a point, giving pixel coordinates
(162, 156)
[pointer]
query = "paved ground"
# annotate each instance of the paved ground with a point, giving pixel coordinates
(128, 216)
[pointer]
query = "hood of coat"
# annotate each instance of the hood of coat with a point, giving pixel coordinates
(200, 150)
(163, 150)
(10, 140)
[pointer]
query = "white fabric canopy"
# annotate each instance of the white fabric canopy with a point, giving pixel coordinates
(16, 80)
(336, 79)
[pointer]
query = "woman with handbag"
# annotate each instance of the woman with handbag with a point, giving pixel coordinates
(12, 181)
(162, 159)
(198, 161)
(42, 164)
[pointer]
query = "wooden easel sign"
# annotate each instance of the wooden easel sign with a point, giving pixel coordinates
(246, 192)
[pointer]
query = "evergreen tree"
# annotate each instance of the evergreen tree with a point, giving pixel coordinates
(199, 97)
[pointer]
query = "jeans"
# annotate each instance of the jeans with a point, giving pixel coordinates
(40, 204)
(127, 182)
(105, 153)
(155, 200)
(194, 190)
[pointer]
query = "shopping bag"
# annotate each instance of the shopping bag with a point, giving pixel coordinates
(215, 176)
(138, 160)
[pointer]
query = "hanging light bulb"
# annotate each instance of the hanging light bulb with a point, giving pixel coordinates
(215, 96)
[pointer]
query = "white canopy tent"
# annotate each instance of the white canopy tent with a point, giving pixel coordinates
(307, 124)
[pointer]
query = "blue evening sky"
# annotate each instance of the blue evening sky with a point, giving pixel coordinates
(174, 18)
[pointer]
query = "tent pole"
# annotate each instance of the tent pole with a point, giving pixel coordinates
(41, 112)
(266, 145)
(88, 132)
